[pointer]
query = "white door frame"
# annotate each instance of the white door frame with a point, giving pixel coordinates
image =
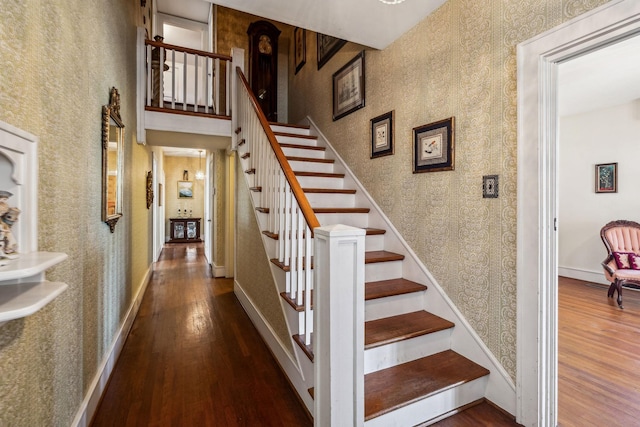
(537, 277)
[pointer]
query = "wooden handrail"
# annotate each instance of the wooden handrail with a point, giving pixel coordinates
(188, 50)
(296, 188)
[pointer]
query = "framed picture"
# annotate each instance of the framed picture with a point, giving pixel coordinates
(300, 47)
(160, 194)
(327, 47)
(433, 147)
(348, 87)
(607, 178)
(382, 135)
(185, 189)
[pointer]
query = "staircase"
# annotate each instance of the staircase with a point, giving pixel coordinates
(412, 376)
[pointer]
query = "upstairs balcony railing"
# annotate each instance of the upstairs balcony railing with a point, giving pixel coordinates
(184, 80)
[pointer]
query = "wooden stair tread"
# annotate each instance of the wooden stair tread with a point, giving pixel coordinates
(274, 236)
(289, 125)
(369, 258)
(391, 287)
(309, 159)
(374, 231)
(369, 232)
(307, 349)
(285, 267)
(319, 174)
(329, 190)
(256, 189)
(295, 135)
(263, 210)
(401, 385)
(304, 147)
(402, 327)
(340, 210)
(250, 171)
(245, 155)
(293, 303)
(381, 256)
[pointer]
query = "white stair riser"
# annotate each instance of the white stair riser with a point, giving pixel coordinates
(374, 242)
(353, 219)
(297, 165)
(263, 219)
(320, 182)
(434, 406)
(331, 200)
(288, 129)
(394, 305)
(404, 351)
(382, 271)
(303, 152)
(286, 139)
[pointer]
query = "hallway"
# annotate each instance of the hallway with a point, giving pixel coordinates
(193, 358)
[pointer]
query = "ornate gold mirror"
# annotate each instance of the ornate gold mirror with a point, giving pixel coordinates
(112, 160)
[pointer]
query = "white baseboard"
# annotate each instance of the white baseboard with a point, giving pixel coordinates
(218, 270)
(582, 274)
(286, 360)
(99, 383)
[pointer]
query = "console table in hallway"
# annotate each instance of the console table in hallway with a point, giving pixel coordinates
(184, 230)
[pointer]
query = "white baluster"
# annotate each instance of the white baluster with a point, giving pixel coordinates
(184, 82)
(149, 73)
(173, 79)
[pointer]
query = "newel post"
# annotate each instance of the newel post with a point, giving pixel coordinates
(338, 337)
(237, 60)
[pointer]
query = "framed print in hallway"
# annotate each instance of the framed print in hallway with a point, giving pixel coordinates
(382, 135)
(300, 47)
(607, 178)
(348, 87)
(433, 147)
(327, 47)
(185, 189)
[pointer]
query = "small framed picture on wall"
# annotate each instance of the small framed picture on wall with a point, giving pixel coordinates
(607, 178)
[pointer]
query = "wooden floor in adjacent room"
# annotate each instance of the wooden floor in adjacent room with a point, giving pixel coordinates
(598, 356)
(193, 358)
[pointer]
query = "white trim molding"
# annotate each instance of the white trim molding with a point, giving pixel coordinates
(537, 268)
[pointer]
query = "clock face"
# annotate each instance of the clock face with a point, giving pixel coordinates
(431, 147)
(264, 45)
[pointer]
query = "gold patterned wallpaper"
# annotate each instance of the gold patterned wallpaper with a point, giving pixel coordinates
(460, 61)
(253, 272)
(60, 59)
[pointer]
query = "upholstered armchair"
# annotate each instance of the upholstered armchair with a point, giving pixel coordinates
(622, 265)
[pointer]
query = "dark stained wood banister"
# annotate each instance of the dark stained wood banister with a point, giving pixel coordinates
(187, 50)
(296, 189)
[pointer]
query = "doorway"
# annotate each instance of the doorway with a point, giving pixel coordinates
(537, 258)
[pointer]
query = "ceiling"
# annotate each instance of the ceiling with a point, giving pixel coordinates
(603, 78)
(366, 22)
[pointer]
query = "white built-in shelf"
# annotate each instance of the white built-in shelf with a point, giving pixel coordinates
(24, 299)
(29, 264)
(23, 289)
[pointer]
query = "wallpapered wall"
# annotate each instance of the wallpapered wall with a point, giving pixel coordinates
(460, 61)
(60, 59)
(253, 272)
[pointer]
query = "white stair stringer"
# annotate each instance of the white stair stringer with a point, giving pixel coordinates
(498, 387)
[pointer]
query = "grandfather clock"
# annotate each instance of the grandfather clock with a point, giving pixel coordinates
(263, 66)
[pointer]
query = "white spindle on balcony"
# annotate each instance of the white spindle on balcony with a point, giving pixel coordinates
(185, 79)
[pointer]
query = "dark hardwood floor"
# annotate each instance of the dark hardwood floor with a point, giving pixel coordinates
(598, 356)
(193, 358)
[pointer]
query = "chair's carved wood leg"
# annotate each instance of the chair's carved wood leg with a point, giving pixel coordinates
(619, 285)
(612, 290)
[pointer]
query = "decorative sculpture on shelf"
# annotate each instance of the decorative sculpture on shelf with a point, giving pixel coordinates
(8, 216)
